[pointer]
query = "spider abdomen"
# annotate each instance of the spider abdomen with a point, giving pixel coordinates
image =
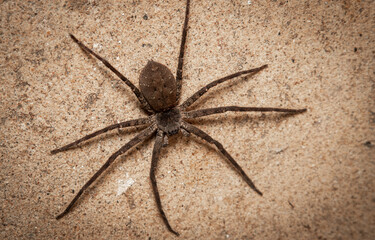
(158, 86)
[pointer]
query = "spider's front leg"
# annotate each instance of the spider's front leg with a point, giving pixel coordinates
(209, 111)
(137, 139)
(154, 162)
(196, 131)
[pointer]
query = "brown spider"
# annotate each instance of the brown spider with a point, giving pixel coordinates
(159, 94)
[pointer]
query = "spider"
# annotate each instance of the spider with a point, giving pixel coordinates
(159, 95)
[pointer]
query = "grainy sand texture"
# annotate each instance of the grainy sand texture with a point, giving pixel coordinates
(316, 169)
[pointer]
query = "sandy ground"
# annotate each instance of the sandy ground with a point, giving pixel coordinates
(316, 169)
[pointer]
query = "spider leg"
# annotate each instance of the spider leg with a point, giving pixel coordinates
(155, 158)
(129, 123)
(192, 129)
(210, 111)
(203, 90)
(137, 139)
(182, 50)
(135, 90)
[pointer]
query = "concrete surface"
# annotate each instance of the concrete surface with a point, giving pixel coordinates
(316, 169)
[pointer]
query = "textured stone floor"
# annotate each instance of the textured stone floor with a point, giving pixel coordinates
(316, 169)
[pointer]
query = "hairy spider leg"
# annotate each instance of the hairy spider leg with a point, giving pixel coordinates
(185, 127)
(203, 90)
(182, 50)
(130, 123)
(137, 139)
(154, 162)
(210, 111)
(135, 90)
(196, 131)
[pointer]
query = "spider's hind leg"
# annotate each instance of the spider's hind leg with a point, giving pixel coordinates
(182, 50)
(135, 90)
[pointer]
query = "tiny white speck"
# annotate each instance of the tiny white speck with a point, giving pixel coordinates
(119, 42)
(123, 185)
(23, 126)
(249, 2)
(97, 46)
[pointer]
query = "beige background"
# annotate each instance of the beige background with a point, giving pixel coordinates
(316, 169)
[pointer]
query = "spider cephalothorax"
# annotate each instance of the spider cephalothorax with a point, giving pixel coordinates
(159, 94)
(169, 121)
